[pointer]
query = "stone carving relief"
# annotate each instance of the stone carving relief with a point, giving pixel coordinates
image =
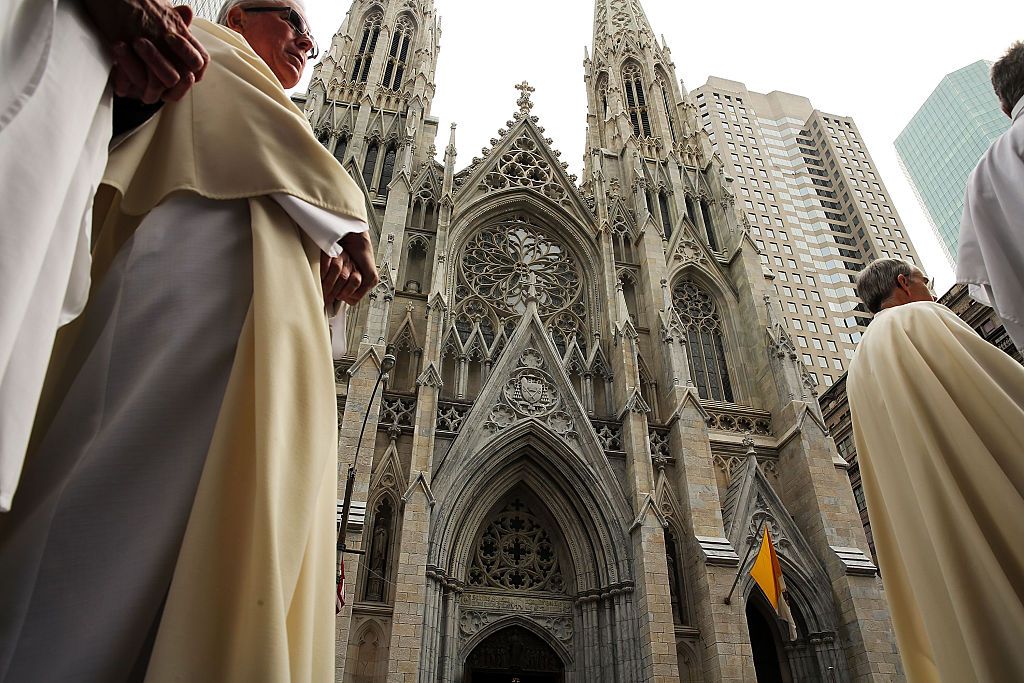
(688, 251)
(523, 165)
(739, 422)
(763, 517)
(516, 553)
(732, 465)
(507, 263)
(530, 392)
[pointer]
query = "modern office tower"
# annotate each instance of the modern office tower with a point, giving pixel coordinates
(817, 208)
(596, 405)
(943, 142)
(207, 9)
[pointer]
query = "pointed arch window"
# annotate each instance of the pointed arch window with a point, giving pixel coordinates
(636, 100)
(370, 164)
(666, 217)
(387, 170)
(339, 148)
(622, 241)
(704, 347)
(398, 54)
(691, 211)
(709, 225)
(367, 44)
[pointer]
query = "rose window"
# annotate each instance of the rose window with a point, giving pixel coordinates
(502, 263)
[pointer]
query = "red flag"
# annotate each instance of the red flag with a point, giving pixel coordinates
(340, 600)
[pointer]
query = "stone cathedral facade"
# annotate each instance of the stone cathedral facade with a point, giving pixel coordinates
(594, 408)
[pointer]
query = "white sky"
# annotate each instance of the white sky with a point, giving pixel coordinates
(874, 61)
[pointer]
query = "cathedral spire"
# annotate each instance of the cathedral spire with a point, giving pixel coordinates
(618, 19)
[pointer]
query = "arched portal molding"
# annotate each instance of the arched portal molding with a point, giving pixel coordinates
(532, 625)
(592, 518)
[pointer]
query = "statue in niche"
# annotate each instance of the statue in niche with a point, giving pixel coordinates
(378, 557)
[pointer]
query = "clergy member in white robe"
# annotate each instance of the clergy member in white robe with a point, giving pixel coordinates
(938, 421)
(176, 517)
(990, 255)
(55, 124)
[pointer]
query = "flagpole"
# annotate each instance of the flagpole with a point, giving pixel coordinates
(757, 536)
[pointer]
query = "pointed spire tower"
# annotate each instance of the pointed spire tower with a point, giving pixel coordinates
(370, 96)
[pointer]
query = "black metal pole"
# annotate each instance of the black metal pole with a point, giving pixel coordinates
(386, 364)
(757, 535)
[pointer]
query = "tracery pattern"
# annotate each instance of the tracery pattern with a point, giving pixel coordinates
(515, 552)
(700, 319)
(522, 165)
(503, 264)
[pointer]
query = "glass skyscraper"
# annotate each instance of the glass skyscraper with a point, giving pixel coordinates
(943, 142)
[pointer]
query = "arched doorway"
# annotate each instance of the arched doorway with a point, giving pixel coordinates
(770, 661)
(513, 655)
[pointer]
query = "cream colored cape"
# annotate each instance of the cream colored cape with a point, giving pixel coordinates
(252, 596)
(938, 419)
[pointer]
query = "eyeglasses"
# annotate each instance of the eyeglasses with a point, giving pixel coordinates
(294, 19)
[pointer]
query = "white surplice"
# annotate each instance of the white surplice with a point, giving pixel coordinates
(55, 124)
(990, 257)
(91, 542)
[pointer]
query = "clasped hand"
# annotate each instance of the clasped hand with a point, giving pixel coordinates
(351, 275)
(155, 55)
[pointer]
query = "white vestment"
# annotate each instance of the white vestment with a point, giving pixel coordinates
(100, 515)
(990, 256)
(55, 124)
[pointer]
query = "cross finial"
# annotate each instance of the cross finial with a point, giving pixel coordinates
(524, 102)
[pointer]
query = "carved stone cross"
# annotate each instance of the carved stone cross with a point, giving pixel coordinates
(524, 102)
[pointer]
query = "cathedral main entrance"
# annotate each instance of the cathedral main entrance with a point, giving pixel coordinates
(513, 655)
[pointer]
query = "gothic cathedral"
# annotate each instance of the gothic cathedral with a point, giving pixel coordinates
(593, 411)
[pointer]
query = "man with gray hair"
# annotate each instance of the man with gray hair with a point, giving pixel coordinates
(990, 256)
(938, 421)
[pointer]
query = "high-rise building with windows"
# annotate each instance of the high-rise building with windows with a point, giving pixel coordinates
(943, 142)
(817, 208)
(207, 9)
(596, 404)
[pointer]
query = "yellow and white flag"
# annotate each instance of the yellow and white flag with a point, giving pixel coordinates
(767, 572)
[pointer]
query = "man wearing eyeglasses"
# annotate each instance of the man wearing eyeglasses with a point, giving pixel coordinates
(176, 515)
(938, 420)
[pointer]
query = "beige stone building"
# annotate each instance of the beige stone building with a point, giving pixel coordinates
(817, 209)
(596, 404)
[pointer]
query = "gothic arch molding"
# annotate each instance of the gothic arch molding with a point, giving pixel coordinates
(478, 210)
(592, 518)
(523, 622)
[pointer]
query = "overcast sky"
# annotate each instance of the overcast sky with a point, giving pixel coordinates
(874, 61)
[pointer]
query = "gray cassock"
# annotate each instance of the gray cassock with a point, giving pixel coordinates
(88, 551)
(990, 255)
